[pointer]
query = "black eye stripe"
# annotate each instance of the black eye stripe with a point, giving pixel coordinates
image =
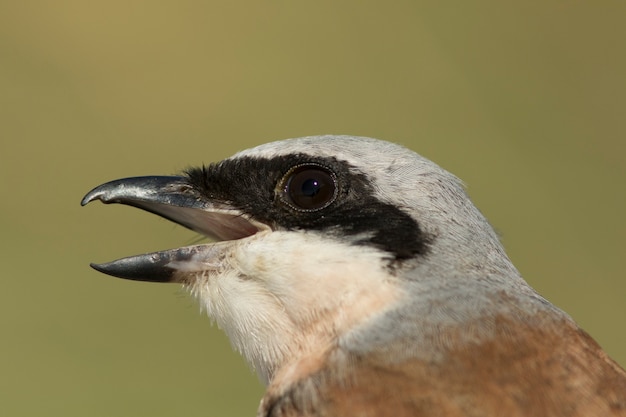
(308, 187)
(256, 186)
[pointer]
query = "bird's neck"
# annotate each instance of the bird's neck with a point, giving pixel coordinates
(445, 319)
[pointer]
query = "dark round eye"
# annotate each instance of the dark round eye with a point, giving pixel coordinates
(309, 187)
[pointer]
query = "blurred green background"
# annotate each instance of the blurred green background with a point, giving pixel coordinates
(525, 102)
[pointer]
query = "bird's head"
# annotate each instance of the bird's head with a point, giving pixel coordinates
(317, 239)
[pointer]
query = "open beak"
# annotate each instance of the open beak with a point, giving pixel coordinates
(174, 199)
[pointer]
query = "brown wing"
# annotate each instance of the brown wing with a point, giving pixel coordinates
(552, 371)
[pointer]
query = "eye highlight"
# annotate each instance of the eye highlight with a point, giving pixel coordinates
(308, 187)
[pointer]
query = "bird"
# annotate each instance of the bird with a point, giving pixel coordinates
(357, 278)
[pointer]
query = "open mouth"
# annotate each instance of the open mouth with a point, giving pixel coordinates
(173, 199)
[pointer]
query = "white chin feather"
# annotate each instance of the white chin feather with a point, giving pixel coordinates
(279, 295)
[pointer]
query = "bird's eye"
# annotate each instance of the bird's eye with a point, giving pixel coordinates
(309, 187)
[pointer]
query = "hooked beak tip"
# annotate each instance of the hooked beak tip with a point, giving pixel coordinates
(89, 198)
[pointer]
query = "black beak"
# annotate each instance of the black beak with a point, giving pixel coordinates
(174, 199)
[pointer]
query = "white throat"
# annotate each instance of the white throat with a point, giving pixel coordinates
(284, 296)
